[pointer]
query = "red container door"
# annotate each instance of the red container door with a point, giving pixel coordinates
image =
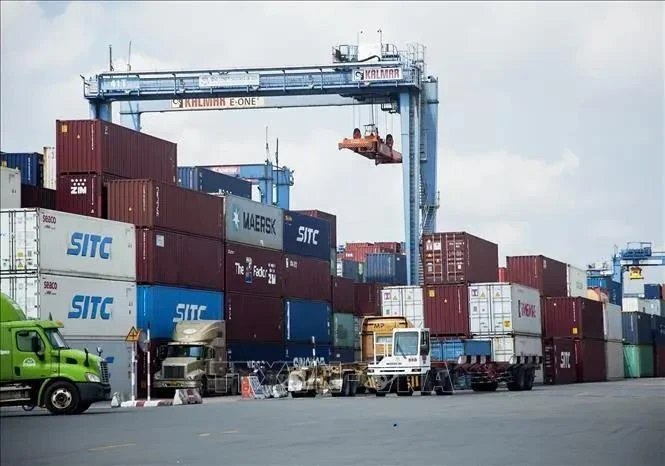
(447, 310)
(559, 366)
(367, 299)
(252, 318)
(590, 359)
(83, 194)
(342, 294)
(306, 278)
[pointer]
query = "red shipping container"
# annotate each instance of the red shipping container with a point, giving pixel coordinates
(503, 274)
(590, 359)
(459, 257)
(96, 146)
(539, 272)
(83, 194)
(446, 309)
(175, 259)
(37, 196)
(367, 299)
(306, 278)
(559, 365)
(253, 318)
(659, 360)
(254, 270)
(332, 219)
(391, 247)
(343, 299)
(151, 204)
(572, 318)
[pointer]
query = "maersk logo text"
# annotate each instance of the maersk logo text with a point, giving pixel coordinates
(259, 223)
(89, 245)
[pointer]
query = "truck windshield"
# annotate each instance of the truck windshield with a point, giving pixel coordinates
(56, 339)
(184, 351)
(406, 344)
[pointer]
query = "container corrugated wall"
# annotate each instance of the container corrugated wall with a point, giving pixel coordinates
(212, 182)
(254, 270)
(614, 367)
(573, 318)
(637, 328)
(447, 309)
(252, 318)
(342, 294)
(367, 299)
(30, 164)
(83, 194)
(386, 268)
(306, 319)
(547, 275)
(306, 278)
(559, 363)
(590, 358)
(306, 236)
(352, 270)
(638, 361)
(343, 330)
(37, 196)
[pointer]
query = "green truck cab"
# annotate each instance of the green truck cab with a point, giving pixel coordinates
(38, 368)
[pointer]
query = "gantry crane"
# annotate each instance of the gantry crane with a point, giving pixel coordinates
(360, 74)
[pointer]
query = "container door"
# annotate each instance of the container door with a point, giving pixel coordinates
(29, 361)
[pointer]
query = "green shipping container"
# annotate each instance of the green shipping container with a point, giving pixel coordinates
(638, 361)
(343, 336)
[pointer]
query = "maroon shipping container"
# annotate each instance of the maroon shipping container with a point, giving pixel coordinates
(659, 360)
(254, 270)
(37, 196)
(83, 194)
(459, 257)
(343, 299)
(572, 318)
(306, 278)
(96, 146)
(539, 272)
(367, 299)
(590, 359)
(253, 318)
(175, 259)
(503, 274)
(358, 251)
(332, 219)
(559, 365)
(446, 309)
(151, 204)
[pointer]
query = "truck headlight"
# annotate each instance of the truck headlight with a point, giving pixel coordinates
(92, 377)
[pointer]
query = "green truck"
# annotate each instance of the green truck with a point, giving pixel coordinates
(38, 368)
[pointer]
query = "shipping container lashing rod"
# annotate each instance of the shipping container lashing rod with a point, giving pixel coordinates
(360, 74)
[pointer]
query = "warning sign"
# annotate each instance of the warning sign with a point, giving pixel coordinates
(133, 335)
(217, 103)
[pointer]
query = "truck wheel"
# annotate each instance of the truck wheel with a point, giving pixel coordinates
(203, 386)
(443, 385)
(530, 377)
(62, 398)
(82, 407)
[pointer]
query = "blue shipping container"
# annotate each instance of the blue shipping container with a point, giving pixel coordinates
(211, 182)
(652, 291)
(250, 351)
(163, 306)
(30, 165)
(352, 270)
(386, 268)
(612, 288)
(658, 329)
(637, 328)
(301, 353)
(306, 319)
(450, 350)
(306, 236)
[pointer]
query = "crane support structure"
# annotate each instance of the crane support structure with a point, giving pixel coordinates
(363, 74)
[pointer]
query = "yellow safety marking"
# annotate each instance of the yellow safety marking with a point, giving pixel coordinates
(108, 447)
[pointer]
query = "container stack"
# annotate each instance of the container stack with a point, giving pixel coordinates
(613, 334)
(37, 173)
(638, 344)
(77, 270)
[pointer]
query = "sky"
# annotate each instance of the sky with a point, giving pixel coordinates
(551, 121)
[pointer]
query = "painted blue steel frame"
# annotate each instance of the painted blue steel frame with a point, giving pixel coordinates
(415, 95)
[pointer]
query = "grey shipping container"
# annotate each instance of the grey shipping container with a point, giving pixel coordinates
(253, 223)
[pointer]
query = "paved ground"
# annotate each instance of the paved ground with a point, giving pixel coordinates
(612, 423)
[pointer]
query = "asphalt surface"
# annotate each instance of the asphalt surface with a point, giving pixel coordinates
(611, 423)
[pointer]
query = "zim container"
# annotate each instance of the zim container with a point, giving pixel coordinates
(342, 294)
(306, 319)
(573, 318)
(252, 318)
(590, 359)
(306, 278)
(638, 361)
(212, 182)
(559, 364)
(447, 310)
(306, 236)
(253, 270)
(547, 275)
(83, 194)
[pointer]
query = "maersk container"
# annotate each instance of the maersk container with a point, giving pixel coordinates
(559, 364)
(652, 291)
(250, 317)
(343, 331)
(342, 355)
(10, 188)
(162, 307)
(386, 268)
(254, 224)
(306, 319)
(253, 270)
(88, 307)
(54, 242)
(37, 197)
(575, 281)
(102, 147)
(252, 352)
(212, 182)
(611, 288)
(30, 164)
(447, 310)
(506, 346)
(306, 278)
(342, 294)
(573, 318)
(118, 355)
(637, 328)
(403, 301)
(638, 361)
(542, 273)
(498, 308)
(304, 354)
(330, 218)
(83, 194)
(614, 367)
(450, 349)
(306, 236)
(612, 322)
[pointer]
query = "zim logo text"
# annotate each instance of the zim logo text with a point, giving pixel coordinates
(91, 307)
(89, 245)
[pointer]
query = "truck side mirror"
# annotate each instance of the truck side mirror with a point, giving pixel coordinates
(37, 346)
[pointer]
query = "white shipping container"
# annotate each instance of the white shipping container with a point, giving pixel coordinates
(614, 360)
(10, 188)
(54, 242)
(648, 306)
(88, 307)
(653, 306)
(576, 282)
(507, 346)
(612, 322)
(631, 305)
(50, 172)
(118, 355)
(498, 308)
(403, 301)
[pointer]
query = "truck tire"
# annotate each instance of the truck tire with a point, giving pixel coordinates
(443, 385)
(62, 398)
(82, 407)
(427, 385)
(529, 379)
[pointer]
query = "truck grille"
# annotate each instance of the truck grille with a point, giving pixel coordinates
(174, 372)
(104, 371)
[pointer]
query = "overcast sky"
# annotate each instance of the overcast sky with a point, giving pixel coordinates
(550, 117)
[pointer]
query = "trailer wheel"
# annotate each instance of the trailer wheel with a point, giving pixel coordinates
(529, 379)
(62, 398)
